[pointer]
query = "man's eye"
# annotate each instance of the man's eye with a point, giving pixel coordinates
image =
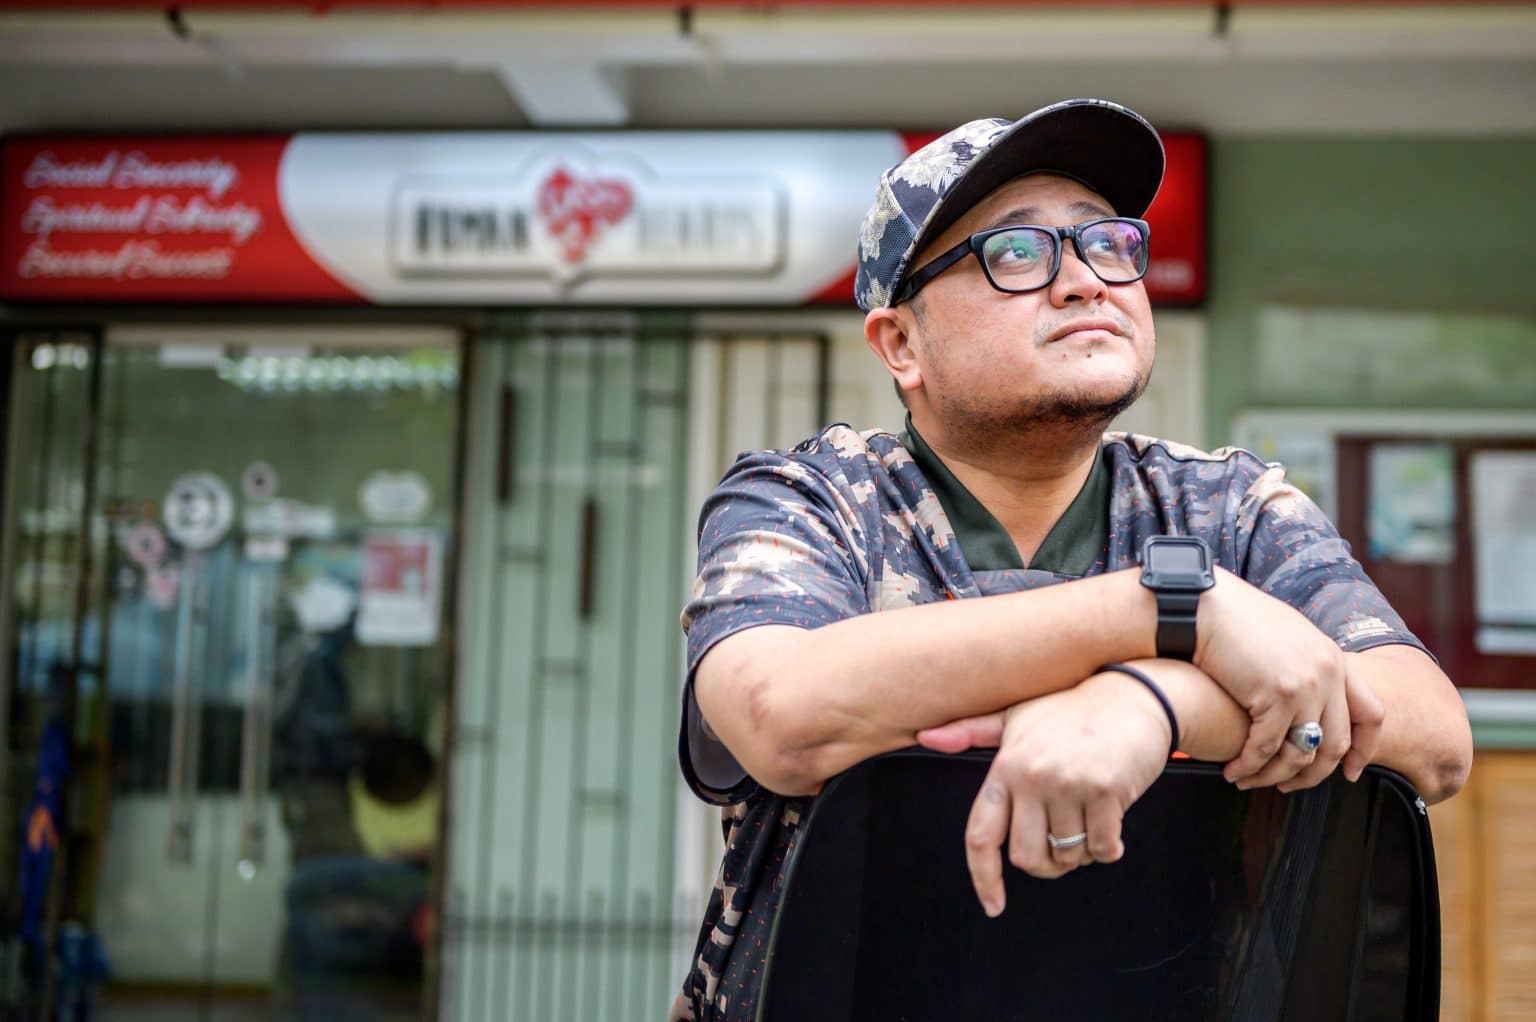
(1020, 250)
(1104, 244)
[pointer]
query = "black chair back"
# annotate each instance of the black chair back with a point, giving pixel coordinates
(1228, 905)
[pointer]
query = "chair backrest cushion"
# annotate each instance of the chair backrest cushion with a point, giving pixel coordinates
(1248, 906)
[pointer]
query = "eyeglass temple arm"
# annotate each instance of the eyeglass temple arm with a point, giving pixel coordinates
(933, 268)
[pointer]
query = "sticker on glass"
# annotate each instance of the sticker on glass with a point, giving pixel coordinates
(397, 497)
(259, 481)
(198, 510)
(145, 545)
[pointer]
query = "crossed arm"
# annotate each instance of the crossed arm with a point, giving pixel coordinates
(1076, 748)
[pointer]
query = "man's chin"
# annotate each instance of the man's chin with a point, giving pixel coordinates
(1091, 407)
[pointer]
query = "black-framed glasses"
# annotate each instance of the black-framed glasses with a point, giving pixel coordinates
(1027, 257)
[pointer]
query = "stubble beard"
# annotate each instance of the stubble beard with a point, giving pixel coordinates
(1060, 418)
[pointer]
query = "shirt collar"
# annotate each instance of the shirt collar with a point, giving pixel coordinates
(1072, 547)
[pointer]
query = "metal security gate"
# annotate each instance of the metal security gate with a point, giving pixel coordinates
(563, 897)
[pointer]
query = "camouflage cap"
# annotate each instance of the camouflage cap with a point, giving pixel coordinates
(1109, 148)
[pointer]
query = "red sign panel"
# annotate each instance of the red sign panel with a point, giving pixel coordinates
(321, 7)
(151, 220)
(1177, 272)
(617, 219)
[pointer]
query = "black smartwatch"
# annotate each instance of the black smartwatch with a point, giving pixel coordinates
(1177, 569)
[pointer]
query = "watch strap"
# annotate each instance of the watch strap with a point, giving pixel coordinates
(1176, 624)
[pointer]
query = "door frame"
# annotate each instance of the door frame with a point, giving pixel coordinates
(16, 342)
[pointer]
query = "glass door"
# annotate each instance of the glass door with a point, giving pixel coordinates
(273, 519)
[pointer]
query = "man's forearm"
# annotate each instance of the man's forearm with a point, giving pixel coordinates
(1425, 736)
(1212, 726)
(808, 704)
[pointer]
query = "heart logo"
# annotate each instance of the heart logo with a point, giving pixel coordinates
(575, 209)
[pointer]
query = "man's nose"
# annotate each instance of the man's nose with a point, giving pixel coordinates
(1075, 281)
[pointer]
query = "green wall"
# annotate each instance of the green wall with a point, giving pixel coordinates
(1371, 274)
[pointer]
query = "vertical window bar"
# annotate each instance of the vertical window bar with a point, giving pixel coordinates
(581, 740)
(485, 824)
(587, 596)
(547, 348)
(506, 439)
(673, 671)
(775, 393)
(823, 380)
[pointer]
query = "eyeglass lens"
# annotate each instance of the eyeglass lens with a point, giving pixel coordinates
(1022, 258)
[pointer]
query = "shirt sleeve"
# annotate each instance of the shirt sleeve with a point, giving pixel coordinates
(778, 545)
(1295, 554)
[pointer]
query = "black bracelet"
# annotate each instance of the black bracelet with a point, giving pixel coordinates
(1173, 720)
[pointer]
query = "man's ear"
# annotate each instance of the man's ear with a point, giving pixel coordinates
(888, 332)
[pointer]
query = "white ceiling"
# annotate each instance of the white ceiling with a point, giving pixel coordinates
(1369, 70)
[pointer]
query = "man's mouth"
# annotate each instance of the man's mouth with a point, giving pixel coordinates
(1081, 326)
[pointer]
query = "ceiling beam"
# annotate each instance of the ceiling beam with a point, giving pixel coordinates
(770, 36)
(564, 94)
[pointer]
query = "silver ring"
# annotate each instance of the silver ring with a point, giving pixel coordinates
(1306, 737)
(1065, 842)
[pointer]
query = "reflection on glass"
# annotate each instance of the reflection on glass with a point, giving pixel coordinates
(268, 714)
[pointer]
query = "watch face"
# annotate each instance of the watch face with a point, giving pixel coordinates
(1178, 559)
(1178, 563)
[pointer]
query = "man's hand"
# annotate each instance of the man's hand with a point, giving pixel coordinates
(1284, 672)
(1067, 763)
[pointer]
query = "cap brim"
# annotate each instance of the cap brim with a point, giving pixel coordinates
(1110, 149)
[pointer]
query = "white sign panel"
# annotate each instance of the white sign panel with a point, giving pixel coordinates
(638, 217)
(570, 219)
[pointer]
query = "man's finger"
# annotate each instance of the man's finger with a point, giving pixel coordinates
(983, 732)
(1366, 715)
(1336, 738)
(1104, 818)
(1067, 821)
(984, 834)
(1287, 764)
(1028, 848)
(1265, 737)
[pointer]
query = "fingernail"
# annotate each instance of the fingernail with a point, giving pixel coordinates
(1243, 785)
(992, 909)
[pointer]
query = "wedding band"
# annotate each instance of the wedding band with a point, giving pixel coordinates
(1306, 737)
(1066, 842)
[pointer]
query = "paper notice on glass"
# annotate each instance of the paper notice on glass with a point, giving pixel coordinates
(1412, 517)
(402, 588)
(1503, 486)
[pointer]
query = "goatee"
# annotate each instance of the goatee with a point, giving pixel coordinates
(1063, 417)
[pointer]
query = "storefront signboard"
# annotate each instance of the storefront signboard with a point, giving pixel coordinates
(618, 218)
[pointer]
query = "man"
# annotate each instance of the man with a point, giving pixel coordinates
(967, 582)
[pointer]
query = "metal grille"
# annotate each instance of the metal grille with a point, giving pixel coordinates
(563, 899)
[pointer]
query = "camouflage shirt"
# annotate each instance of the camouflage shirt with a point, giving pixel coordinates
(848, 523)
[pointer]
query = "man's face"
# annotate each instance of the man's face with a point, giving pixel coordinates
(1075, 353)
